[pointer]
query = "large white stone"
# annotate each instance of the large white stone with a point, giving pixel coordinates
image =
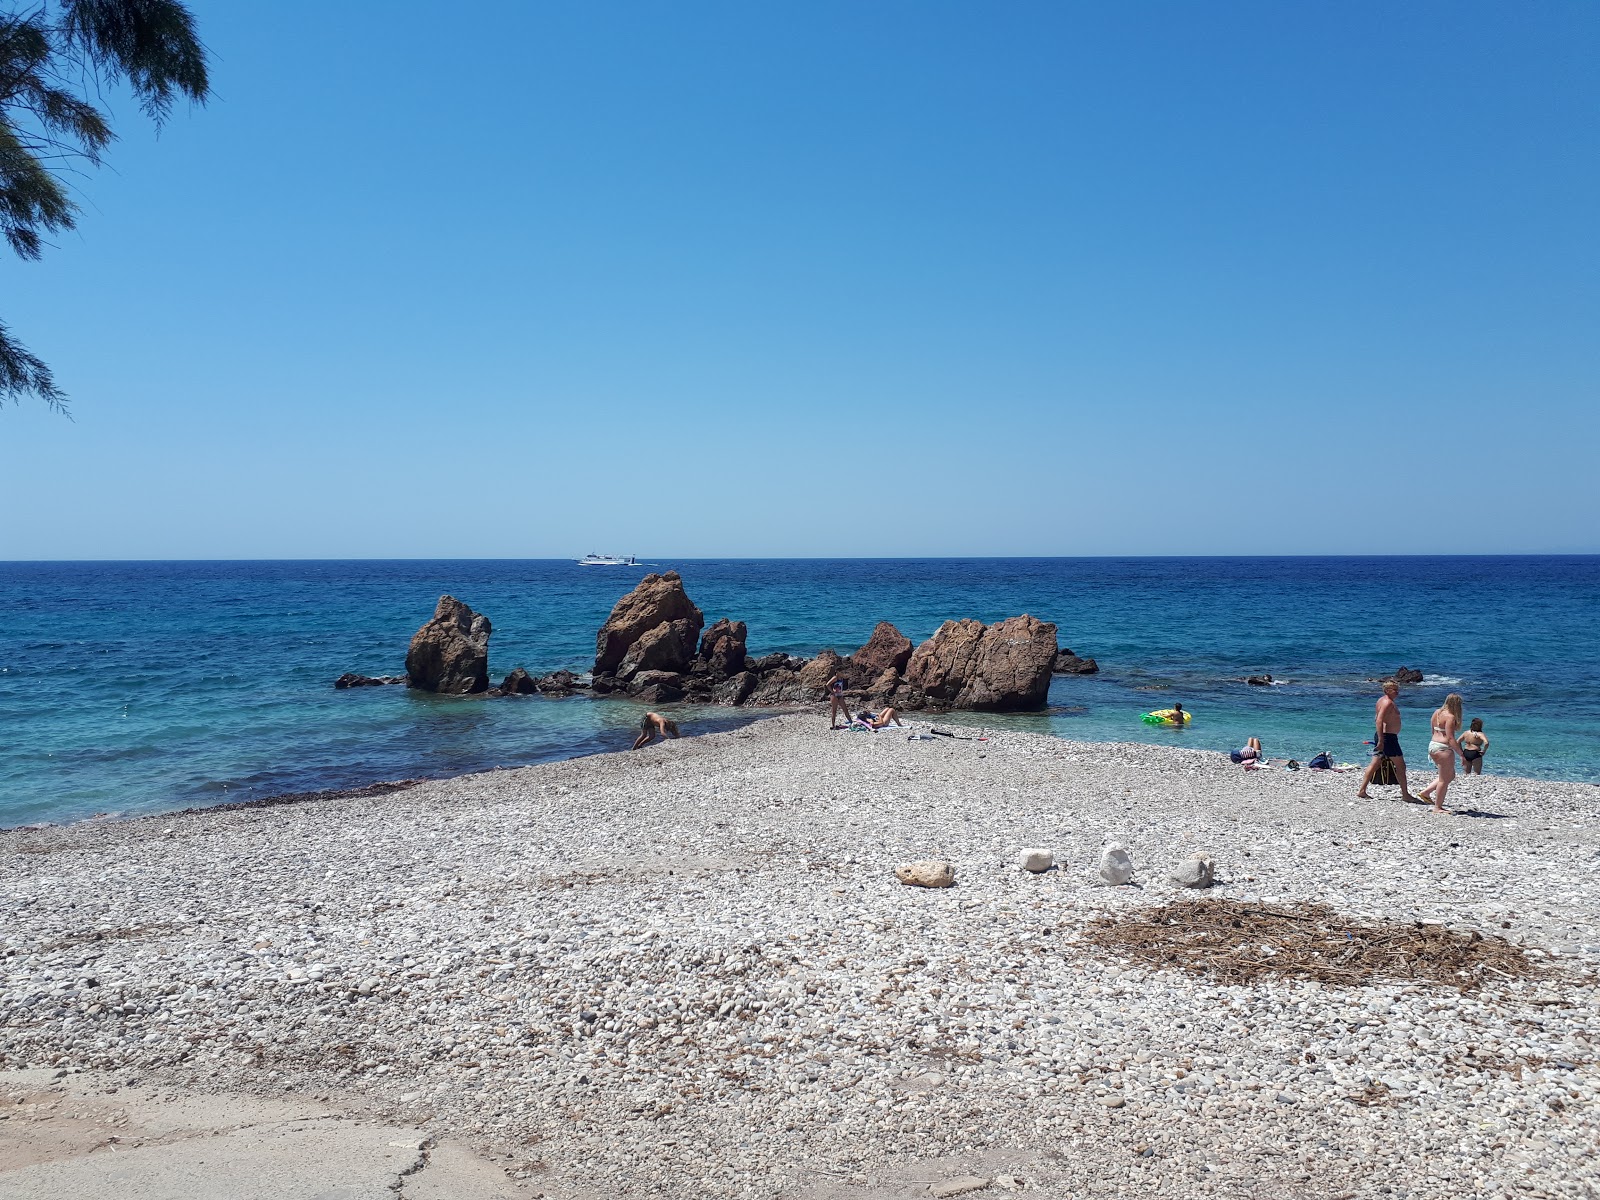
(1115, 865)
(1036, 860)
(1196, 871)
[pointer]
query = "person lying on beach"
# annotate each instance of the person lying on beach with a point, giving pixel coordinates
(1250, 751)
(836, 704)
(1473, 745)
(887, 717)
(654, 726)
(1386, 743)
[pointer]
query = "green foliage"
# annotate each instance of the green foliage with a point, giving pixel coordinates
(55, 55)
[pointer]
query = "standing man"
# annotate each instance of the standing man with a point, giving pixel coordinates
(1386, 741)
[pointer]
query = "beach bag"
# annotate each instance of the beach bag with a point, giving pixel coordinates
(1235, 756)
(1321, 762)
(1385, 775)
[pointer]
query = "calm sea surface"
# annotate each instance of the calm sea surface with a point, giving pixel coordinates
(140, 687)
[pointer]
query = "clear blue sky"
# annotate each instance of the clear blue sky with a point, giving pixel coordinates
(833, 279)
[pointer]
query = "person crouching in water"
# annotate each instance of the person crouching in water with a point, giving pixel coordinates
(654, 726)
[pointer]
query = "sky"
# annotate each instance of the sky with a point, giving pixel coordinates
(831, 279)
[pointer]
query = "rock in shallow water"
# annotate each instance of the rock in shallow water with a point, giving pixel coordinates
(451, 652)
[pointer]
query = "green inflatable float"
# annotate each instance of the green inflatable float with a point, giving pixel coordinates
(1166, 716)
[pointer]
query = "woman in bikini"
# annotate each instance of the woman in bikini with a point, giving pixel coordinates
(836, 703)
(886, 718)
(1442, 748)
(1473, 744)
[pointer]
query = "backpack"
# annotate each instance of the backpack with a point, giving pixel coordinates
(1321, 762)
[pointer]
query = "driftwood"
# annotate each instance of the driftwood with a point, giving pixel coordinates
(1236, 942)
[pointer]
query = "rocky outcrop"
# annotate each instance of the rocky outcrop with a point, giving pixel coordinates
(722, 650)
(450, 653)
(1068, 663)
(667, 647)
(657, 600)
(1259, 680)
(351, 680)
(886, 650)
(1407, 675)
(1004, 667)
(647, 650)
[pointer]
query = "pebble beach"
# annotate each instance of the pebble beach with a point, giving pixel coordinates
(690, 971)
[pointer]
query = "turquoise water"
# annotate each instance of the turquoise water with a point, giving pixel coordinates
(140, 687)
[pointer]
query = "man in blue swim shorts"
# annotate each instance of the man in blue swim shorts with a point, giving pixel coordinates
(1386, 741)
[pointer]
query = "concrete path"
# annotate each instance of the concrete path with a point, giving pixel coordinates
(82, 1136)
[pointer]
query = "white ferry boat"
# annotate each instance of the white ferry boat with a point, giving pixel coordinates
(607, 560)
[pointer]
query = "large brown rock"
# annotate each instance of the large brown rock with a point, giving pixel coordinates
(667, 647)
(656, 687)
(657, 599)
(886, 650)
(450, 653)
(989, 668)
(737, 690)
(722, 649)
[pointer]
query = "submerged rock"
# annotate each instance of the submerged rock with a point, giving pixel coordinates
(558, 683)
(351, 680)
(1068, 663)
(518, 683)
(450, 653)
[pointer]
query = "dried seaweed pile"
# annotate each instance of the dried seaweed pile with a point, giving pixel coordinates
(1238, 942)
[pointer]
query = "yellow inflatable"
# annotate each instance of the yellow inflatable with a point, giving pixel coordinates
(1166, 716)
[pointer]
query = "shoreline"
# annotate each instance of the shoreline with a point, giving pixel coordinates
(689, 971)
(741, 718)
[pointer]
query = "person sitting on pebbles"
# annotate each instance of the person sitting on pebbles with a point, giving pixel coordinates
(654, 726)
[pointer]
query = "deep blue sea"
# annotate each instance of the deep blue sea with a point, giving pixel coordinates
(139, 687)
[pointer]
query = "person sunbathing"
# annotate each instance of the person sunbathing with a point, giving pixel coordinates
(654, 726)
(887, 717)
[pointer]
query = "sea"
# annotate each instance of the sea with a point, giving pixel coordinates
(131, 688)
